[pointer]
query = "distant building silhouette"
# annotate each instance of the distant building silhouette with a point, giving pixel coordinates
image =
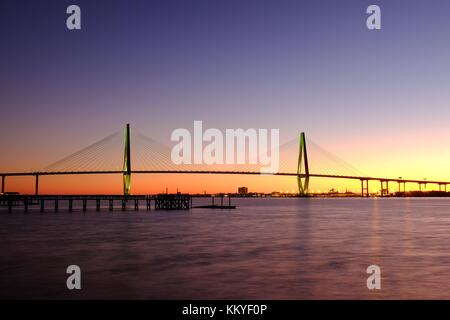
(243, 190)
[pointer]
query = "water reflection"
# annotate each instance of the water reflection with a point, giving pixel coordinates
(265, 249)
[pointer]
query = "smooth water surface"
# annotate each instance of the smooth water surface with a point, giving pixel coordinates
(264, 249)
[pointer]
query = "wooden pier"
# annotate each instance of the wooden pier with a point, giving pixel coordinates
(114, 202)
(217, 206)
(173, 201)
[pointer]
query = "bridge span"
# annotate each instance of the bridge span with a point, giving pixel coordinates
(384, 181)
(302, 174)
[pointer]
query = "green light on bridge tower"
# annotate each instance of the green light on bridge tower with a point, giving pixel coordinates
(302, 178)
(127, 162)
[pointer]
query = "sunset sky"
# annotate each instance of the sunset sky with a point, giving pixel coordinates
(377, 99)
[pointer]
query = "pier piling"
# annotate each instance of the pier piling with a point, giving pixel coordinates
(162, 201)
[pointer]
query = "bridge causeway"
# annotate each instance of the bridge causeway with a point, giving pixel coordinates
(384, 182)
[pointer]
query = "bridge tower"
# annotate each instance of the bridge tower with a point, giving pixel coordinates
(127, 162)
(302, 178)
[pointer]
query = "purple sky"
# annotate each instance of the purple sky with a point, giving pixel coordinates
(294, 65)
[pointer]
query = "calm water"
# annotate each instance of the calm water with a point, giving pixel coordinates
(265, 249)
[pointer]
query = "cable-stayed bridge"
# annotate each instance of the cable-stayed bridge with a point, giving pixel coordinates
(134, 153)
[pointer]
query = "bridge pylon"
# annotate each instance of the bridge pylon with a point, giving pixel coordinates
(127, 162)
(302, 178)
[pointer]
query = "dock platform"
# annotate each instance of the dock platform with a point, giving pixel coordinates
(112, 202)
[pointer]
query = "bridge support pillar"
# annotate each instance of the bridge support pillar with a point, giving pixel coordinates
(84, 205)
(36, 185)
(25, 203)
(97, 204)
(111, 204)
(400, 187)
(136, 204)
(42, 205)
(420, 186)
(149, 206)
(3, 184)
(302, 178)
(70, 205)
(364, 187)
(384, 189)
(127, 162)
(56, 205)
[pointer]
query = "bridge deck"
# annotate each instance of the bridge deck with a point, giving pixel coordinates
(365, 178)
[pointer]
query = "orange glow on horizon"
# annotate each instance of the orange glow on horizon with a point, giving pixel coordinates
(187, 183)
(384, 156)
